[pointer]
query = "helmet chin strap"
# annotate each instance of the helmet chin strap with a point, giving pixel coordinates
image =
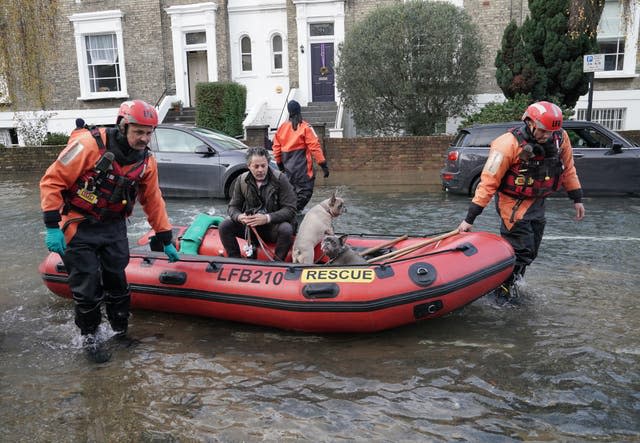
(530, 127)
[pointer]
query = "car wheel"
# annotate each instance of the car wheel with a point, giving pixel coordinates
(474, 185)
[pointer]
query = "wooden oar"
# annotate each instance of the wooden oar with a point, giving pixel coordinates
(384, 245)
(413, 248)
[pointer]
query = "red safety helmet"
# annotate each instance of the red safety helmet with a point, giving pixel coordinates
(544, 115)
(137, 112)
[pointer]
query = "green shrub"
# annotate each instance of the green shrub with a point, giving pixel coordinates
(55, 139)
(509, 110)
(221, 106)
(494, 112)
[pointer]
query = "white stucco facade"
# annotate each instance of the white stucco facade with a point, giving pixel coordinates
(267, 84)
(281, 54)
(268, 88)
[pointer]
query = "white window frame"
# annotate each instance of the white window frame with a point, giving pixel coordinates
(275, 70)
(94, 23)
(242, 54)
(629, 36)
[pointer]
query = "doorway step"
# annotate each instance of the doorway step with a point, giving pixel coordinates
(320, 115)
(185, 116)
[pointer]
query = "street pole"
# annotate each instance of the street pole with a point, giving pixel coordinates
(590, 100)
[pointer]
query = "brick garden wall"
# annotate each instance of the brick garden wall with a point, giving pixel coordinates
(386, 153)
(366, 160)
(27, 159)
(347, 157)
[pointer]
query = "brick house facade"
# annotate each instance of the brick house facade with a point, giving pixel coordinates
(165, 46)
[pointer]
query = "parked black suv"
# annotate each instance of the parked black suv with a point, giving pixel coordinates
(606, 162)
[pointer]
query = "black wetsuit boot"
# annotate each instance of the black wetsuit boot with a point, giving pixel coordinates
(94, 349)
(508, 291)
(88, 319)
(117, 307)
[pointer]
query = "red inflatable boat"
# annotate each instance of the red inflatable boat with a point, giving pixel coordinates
(411, 279)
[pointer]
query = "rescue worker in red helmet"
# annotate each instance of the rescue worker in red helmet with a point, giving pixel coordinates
(86, 196)
(524, 166)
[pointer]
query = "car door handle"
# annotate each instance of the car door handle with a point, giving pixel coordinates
(577, 155)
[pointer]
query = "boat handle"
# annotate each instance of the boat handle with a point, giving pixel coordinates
(173, 277)
(320, 290)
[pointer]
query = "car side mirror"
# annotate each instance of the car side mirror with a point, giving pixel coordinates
(205, 150)
(616, 148)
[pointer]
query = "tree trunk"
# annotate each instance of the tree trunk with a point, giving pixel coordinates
(584, 16)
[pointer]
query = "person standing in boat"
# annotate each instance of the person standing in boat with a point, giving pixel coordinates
(295, 145)
(525, 166)
(263, 200)
(86, 196)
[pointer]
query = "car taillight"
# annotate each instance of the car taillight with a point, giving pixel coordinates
(447, 177)
(452, 156)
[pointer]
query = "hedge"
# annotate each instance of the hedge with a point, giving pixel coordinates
(221, 106)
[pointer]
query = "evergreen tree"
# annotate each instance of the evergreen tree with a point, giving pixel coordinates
(541, 58)
(409, 66)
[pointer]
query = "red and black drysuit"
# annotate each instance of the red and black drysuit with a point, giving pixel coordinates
(89, 198)
(294, 150)
(521, 173)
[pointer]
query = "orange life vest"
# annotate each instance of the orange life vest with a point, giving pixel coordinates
(537, 176)
(108, 191)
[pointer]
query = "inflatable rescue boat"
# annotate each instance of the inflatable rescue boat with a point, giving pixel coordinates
(406, 279)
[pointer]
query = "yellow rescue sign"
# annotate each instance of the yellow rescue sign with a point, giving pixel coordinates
(339, 275)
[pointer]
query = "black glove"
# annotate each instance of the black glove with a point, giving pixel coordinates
(325, 169)
(281, 166)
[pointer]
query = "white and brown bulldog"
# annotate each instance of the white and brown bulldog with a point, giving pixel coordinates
(317, 223)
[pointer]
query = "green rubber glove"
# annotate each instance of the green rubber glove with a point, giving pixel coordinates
(54, 240)
(171, 252)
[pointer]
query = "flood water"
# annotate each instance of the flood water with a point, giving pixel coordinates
(564, 365)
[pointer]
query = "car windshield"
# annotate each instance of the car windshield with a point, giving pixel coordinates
(221, 141)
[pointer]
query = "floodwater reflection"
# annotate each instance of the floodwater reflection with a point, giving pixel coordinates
(563, 365)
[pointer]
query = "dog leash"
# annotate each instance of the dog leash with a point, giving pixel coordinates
(319, 260)
(266, 250)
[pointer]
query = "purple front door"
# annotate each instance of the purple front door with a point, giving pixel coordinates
(322, 74)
